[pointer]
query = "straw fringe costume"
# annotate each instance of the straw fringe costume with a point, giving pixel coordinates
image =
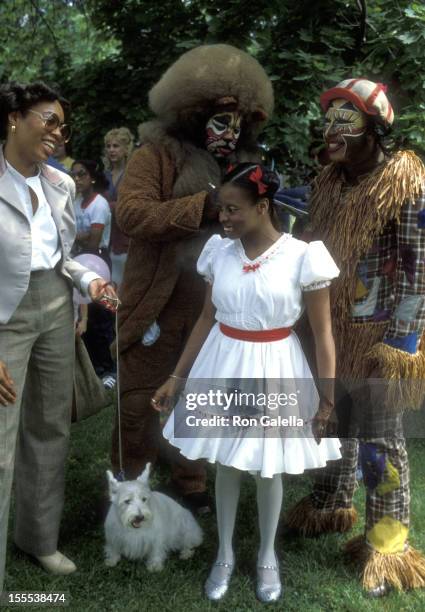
(376, 234)
(160, 207)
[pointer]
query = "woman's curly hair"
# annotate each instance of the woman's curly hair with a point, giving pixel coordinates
(19, 97)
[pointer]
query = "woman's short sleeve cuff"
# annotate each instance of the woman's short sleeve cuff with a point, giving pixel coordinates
(318, 267)
(205, 264)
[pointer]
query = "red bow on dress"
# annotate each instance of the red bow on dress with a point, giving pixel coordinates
(251, 267)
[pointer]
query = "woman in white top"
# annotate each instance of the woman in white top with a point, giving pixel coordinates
(259, 282)
(92, 211)
(93, 217)
(37, 231)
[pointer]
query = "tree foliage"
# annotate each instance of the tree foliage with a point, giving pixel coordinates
(106, 54)
(45, 38)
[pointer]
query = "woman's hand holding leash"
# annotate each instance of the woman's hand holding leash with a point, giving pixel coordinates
(103, 293)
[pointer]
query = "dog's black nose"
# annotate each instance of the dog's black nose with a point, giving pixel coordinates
(140, 517)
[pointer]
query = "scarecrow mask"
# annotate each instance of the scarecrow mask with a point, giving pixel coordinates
(344, 130)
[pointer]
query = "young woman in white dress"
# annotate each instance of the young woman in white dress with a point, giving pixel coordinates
(259, 282)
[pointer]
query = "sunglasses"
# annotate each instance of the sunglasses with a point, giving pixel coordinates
(52, 122)
(79, 174)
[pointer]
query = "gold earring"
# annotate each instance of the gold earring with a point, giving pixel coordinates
(13, 128)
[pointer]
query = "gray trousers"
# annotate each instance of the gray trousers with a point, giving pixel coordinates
(37, 346)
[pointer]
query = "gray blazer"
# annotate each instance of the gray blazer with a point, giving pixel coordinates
(15, 235)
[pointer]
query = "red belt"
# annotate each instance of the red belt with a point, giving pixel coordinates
(263, 335)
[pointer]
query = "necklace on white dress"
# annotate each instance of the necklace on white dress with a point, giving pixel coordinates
(252, 265)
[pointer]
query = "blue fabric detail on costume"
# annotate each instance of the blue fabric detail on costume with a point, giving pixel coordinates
(421, 219)
(407, 343)
(373, 464)
(408, 308)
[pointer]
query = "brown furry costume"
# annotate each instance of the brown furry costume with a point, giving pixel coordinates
(161, 204)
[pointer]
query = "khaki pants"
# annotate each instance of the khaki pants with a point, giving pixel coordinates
(37, 346)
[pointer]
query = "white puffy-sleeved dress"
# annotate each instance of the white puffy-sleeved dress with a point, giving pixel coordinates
(261, 294)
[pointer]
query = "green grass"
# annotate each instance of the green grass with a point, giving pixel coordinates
(314, 577)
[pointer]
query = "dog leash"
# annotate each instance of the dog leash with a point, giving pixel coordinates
(121, 474)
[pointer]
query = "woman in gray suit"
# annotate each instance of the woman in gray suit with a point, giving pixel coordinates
(37, 231)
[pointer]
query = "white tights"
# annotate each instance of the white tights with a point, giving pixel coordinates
(269, 502)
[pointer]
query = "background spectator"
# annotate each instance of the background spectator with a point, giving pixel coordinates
(119, 144)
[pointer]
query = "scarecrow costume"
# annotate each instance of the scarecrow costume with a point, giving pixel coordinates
(210, 106)
(374, 228)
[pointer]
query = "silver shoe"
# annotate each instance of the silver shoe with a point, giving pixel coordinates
(268, 593)
(215, 590)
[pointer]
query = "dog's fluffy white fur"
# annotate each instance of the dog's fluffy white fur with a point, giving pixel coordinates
(145, 524)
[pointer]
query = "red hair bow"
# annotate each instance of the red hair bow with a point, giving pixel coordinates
(256, 176)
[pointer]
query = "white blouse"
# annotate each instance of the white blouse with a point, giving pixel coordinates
(44, 234)
(267, 292)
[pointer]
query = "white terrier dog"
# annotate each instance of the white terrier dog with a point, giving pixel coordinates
(147, 524)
